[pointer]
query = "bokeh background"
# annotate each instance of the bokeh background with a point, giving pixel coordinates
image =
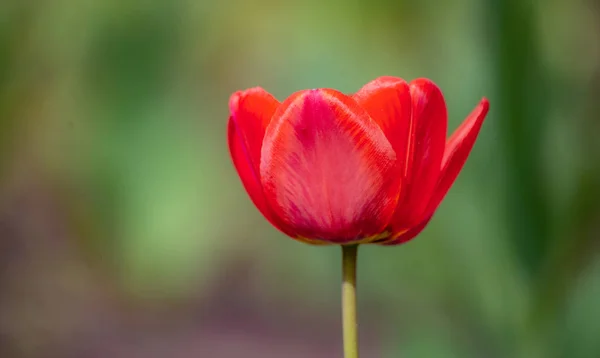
(125, 232)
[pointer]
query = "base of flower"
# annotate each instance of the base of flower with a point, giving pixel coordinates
(365, 240)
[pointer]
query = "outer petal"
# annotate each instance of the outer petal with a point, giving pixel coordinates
(457, 151)
(388, 102)
(250, 113)
(327, 169)
(407, 235)
(424, 156)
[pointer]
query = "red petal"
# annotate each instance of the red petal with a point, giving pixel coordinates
(251, 112)
(425, 151)
(388, 102)
(408, 235)
(457, 151)
(327, 170)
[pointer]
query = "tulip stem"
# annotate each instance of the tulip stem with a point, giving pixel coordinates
(349, 321)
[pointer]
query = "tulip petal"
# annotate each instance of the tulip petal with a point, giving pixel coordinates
(251, 112)
(327, 169)
(458, 148)
(456, 152)
(406, 236)
(425, 151)
(388, 102)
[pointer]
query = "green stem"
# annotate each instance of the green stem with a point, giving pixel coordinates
(349, 321)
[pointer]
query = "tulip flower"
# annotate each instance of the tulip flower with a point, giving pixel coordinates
(324, 167)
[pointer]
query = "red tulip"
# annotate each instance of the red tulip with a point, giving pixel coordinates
(328, 168)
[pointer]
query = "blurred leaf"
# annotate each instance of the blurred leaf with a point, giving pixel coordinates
(582, 322)
(520, 107)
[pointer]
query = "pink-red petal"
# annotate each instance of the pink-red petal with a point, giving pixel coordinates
(388, 102)
(424, 156)
(327, 169)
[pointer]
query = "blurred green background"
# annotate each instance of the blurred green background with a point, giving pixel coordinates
(125, 231)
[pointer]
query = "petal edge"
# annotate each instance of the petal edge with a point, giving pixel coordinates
(458, 148)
